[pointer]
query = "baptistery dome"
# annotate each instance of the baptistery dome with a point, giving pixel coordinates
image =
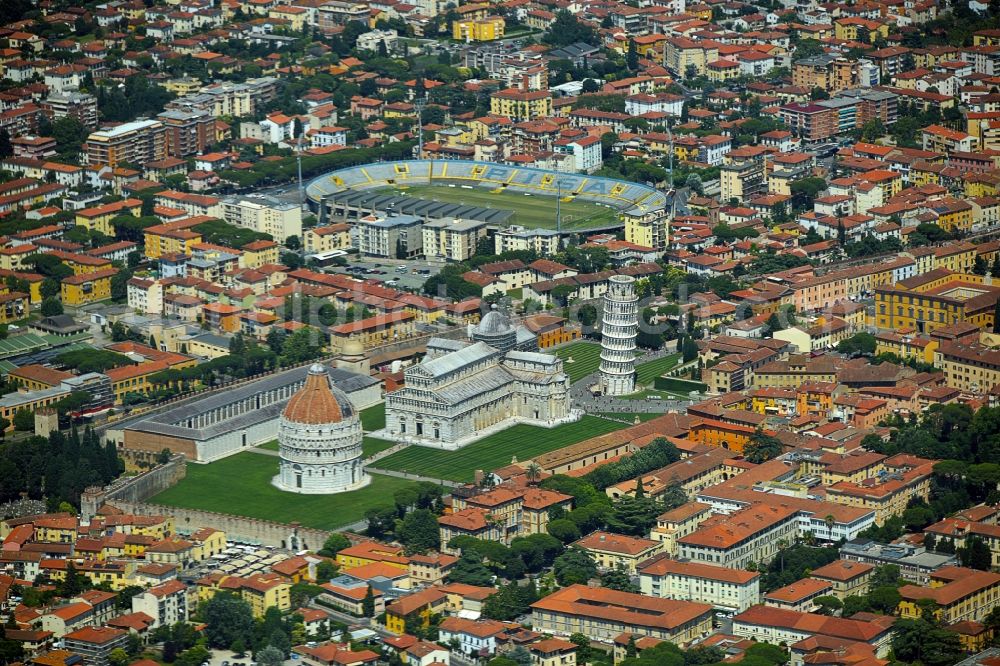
(319, 439)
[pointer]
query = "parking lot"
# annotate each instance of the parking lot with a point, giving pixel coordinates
(390, 271)
(241, 560)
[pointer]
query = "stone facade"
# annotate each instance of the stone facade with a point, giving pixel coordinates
(319, 440)
(619, 329)
(462, 392)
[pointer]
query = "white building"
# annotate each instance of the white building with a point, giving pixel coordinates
(323, 137)
(166, 603)
(462, 392)
(586, 152)
(319, 440)
(390, 236)
(636, 105)
(545, 242)
(145, 296)
(451, 238)
(267, 215)
(722, 587)
(619, 329)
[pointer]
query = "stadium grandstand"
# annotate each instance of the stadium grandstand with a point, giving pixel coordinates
(382, 187)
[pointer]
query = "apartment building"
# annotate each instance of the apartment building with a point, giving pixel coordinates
(136, 142)
(396, 236)
(265, 215)
(326, 239)
(728, 589)
(672, 525)
(188, 132)
(604, 614)
(521, 105)
(165, 603)
(907, 478)
(95, 644)
(452, 239)
(846, 577)
(936, 299)
(618, 551)
(753, 535)
(779, 625)
(545, 242)
(74, 104)
(961, 594)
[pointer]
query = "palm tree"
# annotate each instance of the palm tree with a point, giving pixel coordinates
(829, 520)
(533, 472)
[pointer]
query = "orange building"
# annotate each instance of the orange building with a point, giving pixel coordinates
(720, 434)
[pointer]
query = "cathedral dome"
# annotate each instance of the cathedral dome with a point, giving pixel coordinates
(353, 347)
(494, 323)
(318, 401)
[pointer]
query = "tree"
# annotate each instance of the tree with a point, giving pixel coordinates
(694, 183)
(6, 147)
(566, 30)
(976, 554)
(368, 603)
(829, 604)
(618, 579)
(118, 657)
(24, 420)
(858, 344)
(270, 656)
(470, 570)
(574, 566)
(51, 307)
(762, 447)
(564, 529)
(689, 350)
(334, 543)
(590, 86)
(632, 56)
(925, 642)
(326, 570)
(587, 315)
(227, 617)
(419, 531)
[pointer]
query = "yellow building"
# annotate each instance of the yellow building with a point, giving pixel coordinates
(98, 218)
(959, 257)
(958, 595)
(14, 306)
(88, 287)
(327, 239)
(905, 344)
(172, 237)
(259, 253)
(60, 528)
(521, 105)
(415, 610)
(934, 300)
(369, 552)
(858, 29)
(617, 551)
(909, 479)
(478, 30)
(374, 331)
(648, 231)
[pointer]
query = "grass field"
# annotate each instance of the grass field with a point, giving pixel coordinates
(241, 485)
(373, 418)
(586, 359)
(647, 372)
(536, 211)
(270, 446)
(495, 451)
(370, 446)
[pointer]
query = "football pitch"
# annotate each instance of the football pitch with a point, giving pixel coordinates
(494, 451)
(536, 211)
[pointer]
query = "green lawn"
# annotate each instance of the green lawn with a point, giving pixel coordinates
(537, 211)
(370, 445)
(647, 372)
(586, 359)
(373, 418)
(270, 446)
(241, 485)
(495, 451)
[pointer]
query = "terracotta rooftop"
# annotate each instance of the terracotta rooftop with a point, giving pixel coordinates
(315, 402)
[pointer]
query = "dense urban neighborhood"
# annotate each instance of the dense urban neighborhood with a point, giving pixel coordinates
(524, 333)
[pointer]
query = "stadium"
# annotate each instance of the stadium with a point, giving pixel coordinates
(496, 193)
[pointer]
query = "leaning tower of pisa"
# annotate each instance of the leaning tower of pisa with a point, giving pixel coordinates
(619, 327)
